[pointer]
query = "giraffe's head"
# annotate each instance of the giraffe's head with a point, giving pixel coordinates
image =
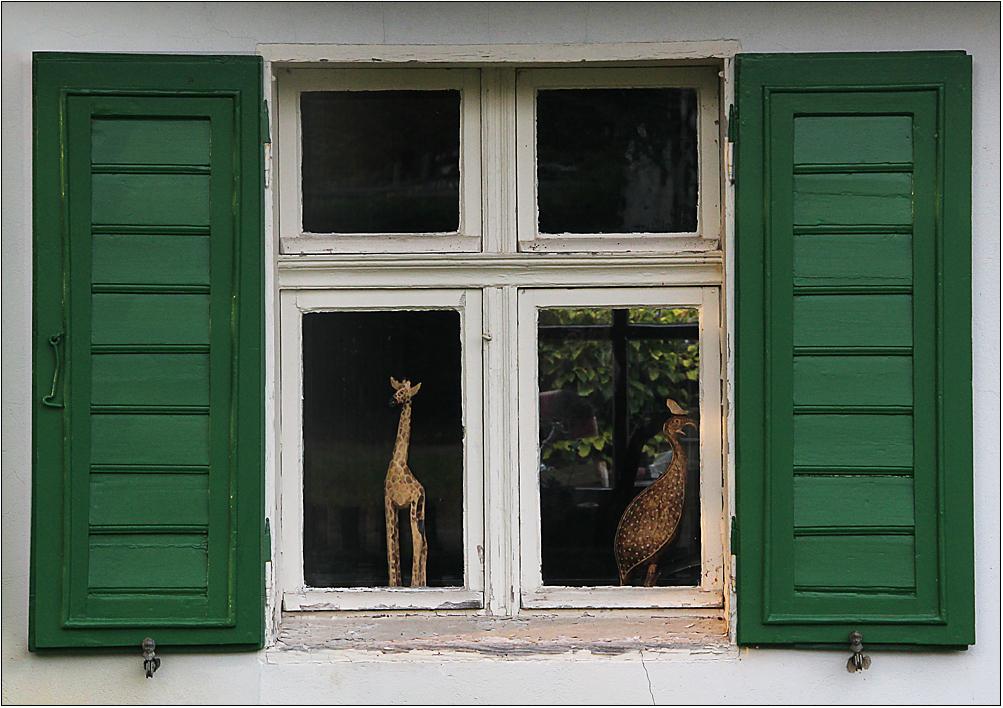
(403, 391)
(678, 420)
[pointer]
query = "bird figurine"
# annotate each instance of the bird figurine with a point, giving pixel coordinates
(651, 520)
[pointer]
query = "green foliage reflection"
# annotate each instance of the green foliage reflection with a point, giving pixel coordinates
(581, 363)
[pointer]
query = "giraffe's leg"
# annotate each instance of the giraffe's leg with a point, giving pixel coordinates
(652, 577)
(418, 541)
(393, 545)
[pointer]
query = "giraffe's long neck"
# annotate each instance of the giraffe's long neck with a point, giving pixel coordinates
(403, 434)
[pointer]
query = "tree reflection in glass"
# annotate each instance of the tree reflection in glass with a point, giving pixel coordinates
(604, 376)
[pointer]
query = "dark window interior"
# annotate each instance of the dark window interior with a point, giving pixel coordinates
(617, 160)
(349, 431)
(381, 161)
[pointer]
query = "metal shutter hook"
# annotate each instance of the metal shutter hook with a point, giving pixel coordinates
(150, 662)
(858, 660)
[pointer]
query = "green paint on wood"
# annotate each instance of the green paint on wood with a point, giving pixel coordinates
(853, 234)
(150, 439)
(150, 379)
(852, 320)
(853, 259)
(154, 200)
(853, 440)
(149, 257)
(142, 499)
(153, 259)
(853, 501)
(852, 139)
(852, 381)
(149, 141)
(150, 319)
(854, 562)
(853, 199)
(148, 561)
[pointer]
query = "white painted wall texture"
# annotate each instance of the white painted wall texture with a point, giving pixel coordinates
(758, 676)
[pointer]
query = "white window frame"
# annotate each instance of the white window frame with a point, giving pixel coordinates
(497, 268)
(292, 237)
(710, 592)
(296, 595)
(704, 80)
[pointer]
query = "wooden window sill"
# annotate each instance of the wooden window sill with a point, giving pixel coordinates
(320, 636)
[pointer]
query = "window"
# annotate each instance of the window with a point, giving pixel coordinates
(339, 350)
(378, 160)
(383, 273)
(543, 373)
(618, 160)
(596, 367)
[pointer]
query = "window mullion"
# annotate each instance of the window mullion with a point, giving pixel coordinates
(498, 117)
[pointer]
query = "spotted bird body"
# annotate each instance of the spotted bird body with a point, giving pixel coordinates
(651, 520)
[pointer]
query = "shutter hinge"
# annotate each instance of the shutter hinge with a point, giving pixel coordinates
(266, 141)
(734, 536)
(266, 136)
(729, 150)
(266, 542)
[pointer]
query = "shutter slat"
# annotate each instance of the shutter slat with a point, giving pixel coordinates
(150, 258)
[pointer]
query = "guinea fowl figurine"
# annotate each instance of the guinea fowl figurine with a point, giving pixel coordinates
(651, 520)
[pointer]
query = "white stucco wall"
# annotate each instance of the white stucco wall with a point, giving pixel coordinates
(760, 676)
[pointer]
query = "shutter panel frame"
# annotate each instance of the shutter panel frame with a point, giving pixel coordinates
(71, 93)
(943, 611)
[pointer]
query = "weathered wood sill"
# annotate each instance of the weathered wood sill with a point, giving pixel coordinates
(599, 633)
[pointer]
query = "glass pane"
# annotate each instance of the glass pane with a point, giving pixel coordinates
(604, 377)
(381, 161)
(617, 160)
(349, 434)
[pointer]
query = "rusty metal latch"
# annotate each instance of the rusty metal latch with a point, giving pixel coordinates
(858, 661)
(150, 662)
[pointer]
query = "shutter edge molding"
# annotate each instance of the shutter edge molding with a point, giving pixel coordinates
(771, 573)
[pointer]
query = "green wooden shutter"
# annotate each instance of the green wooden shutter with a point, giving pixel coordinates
(853, 378)
(148, 397)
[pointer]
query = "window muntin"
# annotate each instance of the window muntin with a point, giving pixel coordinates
(541, 550)
(647, 176)
(416, 189)
(404, 329)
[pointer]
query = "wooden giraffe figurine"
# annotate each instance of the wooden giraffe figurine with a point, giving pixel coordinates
(400, 490)
(651, 520)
